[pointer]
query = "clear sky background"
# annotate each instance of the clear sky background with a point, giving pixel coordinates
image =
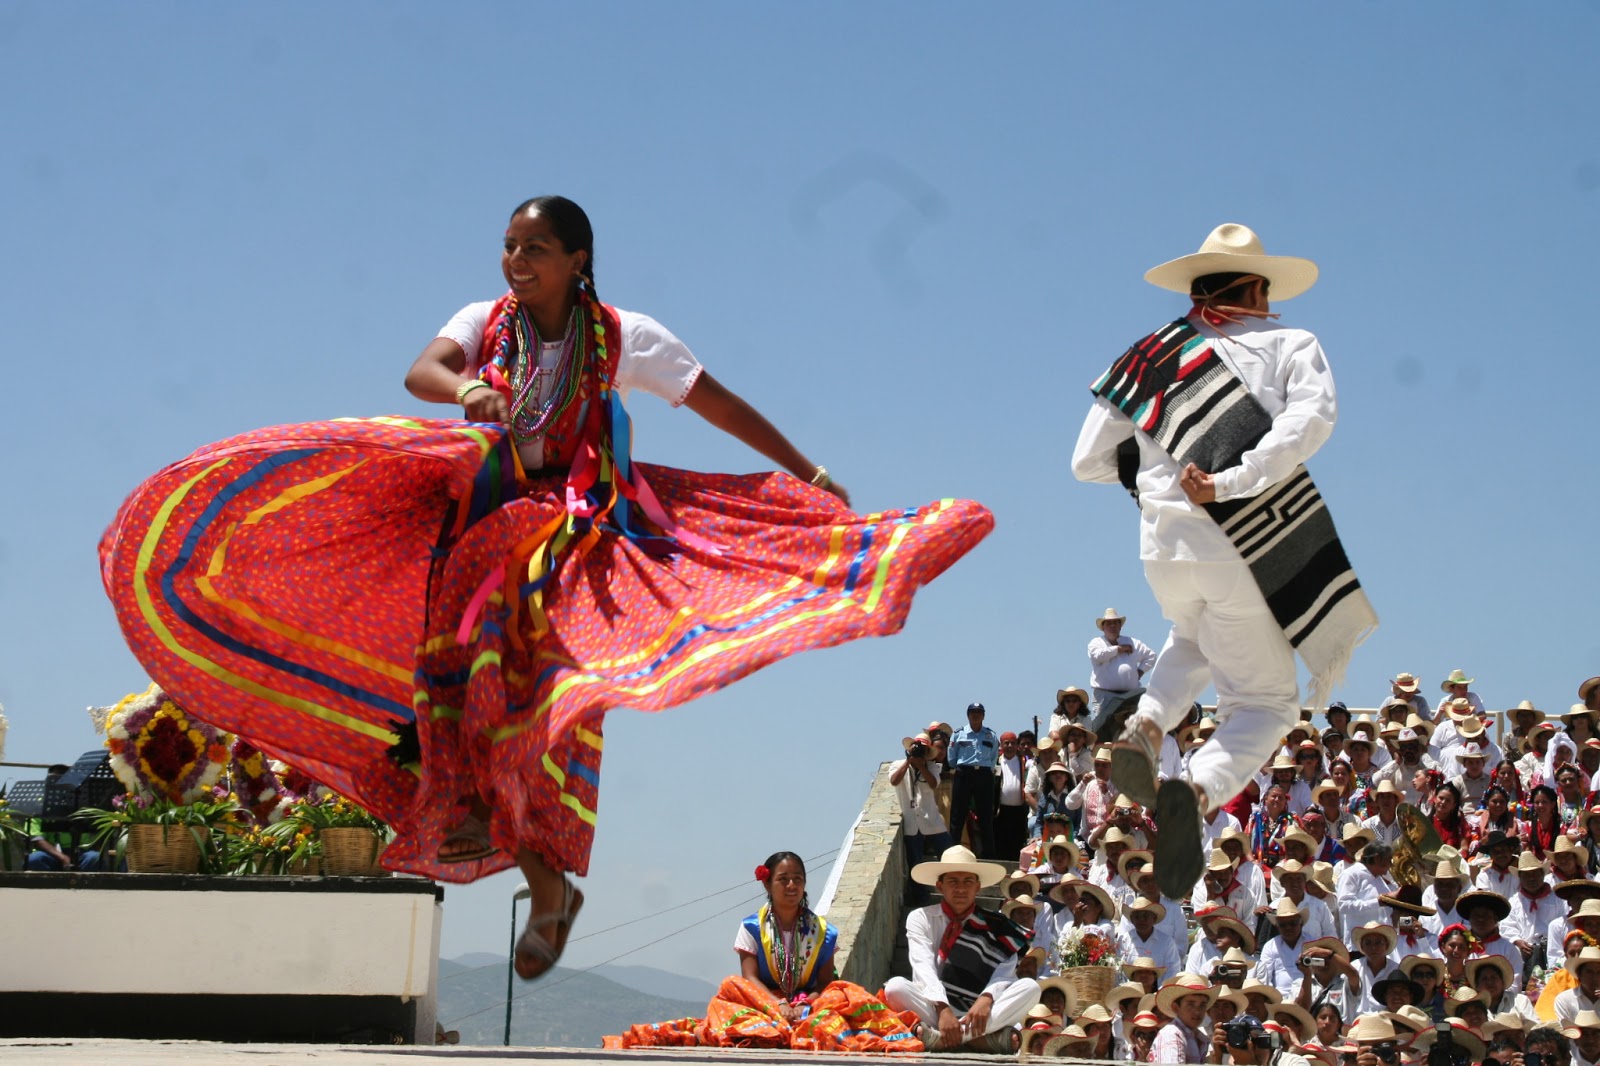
(911, 233)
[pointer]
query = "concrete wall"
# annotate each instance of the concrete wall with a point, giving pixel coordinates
(866, 904)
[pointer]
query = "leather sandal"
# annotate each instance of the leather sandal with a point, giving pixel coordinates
(472, 830)
(1133, 766)
(1180, 851)
(533, 949)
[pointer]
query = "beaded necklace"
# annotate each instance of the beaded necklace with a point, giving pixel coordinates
(529, 415)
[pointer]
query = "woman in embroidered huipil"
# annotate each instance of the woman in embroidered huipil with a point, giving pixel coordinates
(786, 993)
(433, 616)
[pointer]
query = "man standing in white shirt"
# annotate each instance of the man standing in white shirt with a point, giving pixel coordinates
(1361, 887)
(1011, 813)
(1117, 663)
(1208, 422)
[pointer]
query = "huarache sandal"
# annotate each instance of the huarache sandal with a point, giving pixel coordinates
(1180, 851)
(535, 955)
(473, 834)
(1133, 767)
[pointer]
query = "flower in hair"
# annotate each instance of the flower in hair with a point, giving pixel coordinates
(763, 874)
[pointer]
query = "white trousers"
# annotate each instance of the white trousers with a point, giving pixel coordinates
(1222, 632)
(1010, 1007)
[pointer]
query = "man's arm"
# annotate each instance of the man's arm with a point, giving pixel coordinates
(1102, 651)
(1311, 408)
(924, 965)
(1095, 456)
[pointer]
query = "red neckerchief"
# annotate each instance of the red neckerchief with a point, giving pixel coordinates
(1543, 840)
(1411, 939)
(1544, 890)
(952, 930)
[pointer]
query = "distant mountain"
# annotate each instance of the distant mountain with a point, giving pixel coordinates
(565, 1008)
(664, 983)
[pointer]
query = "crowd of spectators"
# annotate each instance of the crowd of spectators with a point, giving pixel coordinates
(1417, 879)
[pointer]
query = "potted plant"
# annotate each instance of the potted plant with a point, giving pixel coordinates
(156, 835)
(352, 838)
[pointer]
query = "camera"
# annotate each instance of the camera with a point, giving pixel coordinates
(1444, 1051)
(1388, 1051)
(1245, 1031)
(1532, 1058)
(917, 750)
(1313, 962)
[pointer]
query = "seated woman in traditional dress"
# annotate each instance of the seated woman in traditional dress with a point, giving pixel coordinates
(786, 993)
(433, 616)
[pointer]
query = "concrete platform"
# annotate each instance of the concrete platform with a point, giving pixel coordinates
(40, 1052)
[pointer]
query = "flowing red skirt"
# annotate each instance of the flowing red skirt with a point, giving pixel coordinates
(843, 1017)
(314, 588)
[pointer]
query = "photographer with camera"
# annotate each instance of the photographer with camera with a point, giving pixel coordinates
(1245, 1041)
(916, 784)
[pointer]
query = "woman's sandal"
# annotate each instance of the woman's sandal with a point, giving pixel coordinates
(533, 948)
(472, 830)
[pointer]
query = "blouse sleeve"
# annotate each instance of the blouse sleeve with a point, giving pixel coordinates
(466, 329)
(654, 360)
(744, 943)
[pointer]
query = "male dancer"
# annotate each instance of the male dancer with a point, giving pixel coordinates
(1207, 422)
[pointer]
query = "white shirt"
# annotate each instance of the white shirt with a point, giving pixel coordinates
(925, 927)
(652, 359)
(1530, 919)
(1210, 831)
(1286, 372)
(1569, 1003)
(1280, 964)
(1318, 920)
(1011, 781)
(1113, 668)
(1450, 761)
(1159, 947)
(1384, 834)
(1359, 889)
(1501, 884)
(919, 805)
(1366, 1003)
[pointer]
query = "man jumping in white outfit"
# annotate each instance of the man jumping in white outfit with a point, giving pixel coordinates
(1207, 422)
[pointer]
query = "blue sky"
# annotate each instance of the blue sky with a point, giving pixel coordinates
(910, 233)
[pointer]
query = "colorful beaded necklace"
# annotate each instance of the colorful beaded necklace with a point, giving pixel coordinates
(529, 416)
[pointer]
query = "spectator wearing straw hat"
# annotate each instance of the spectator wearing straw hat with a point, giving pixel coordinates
(1137, 935)
(1220, 930)
(1117, 663)
(1324, 976)
(963, 985)
(1472, 781)
(1410, 756)
(1374, 943)
(1221, 886)
(1147, 884)
(1405, 687)
(1448, 881)
(1184, 999)
(1584, 995)
(1484, 911)
(1499, 876)
(1291, 878)
(1094, 795)
(1458, 686)
(1491, 976)
(1363, 884)
(1385, 824)
(1534, 907)
(1584, 1032)
(1072, 705)
(1279, 963)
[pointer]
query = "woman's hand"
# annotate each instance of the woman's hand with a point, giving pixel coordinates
(486, 405)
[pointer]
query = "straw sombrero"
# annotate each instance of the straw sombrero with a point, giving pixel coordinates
(1184, 984)
(1232, 248)
(958, 860)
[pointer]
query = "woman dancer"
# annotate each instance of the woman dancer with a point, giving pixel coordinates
(433, 617)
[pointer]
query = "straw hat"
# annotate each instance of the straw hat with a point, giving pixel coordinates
(1355, 831)
(1058, 767)
(1526, 705)
(1141, 963)
(1323, 787)
(1061, 985)
(1063, 693)
(1582, 958)
(1362, 723)
(1066, 890)
(1246, 937)
(1457, 677)
(1499, 962)
(1133, 855)
(1030, 882)
(1184, 984)
(1102, 754)
(1380, 989)
(1094, 1014)
(1505, 1021)
(1587, 687)
(1565, 844)
(939, 727)
(1386, 788)
(958, 860)
(1232, 248)
(1142, 904)
(1040, 1015)
(1413, 1018)
(1120, 994)
(1296, 1016)
(1011, 906)
(1421, 727)
(1335, 946)
(1147, 1020)
(1527, 862)
(1228, 995)
(1406, 682)
(1071, 1043)
(1372, 1028)
(1383, 929)
(1323, 877)
(1411, 962)
(1108, 906)
(1111, 614)
(1035, 1037)
(1252, 987)
(1219, 861)
(1461, 997)
(1408, 900)
(1231, 834)
(1585, 1019)
(1471, 729)
(1061, 840)
(1300, 836)
(1589, 908)
(1281, 764)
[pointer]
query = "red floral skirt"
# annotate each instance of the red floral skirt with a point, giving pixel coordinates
(318, 588)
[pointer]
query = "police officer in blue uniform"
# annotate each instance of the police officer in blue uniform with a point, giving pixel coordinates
(974, 754)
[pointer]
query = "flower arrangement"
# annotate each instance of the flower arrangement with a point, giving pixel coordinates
(158, 750)
(253, 780)
(1082, 947)
(332, 811)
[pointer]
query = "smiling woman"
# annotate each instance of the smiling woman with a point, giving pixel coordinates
(433, 616)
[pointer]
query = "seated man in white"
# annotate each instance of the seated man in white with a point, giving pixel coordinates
(1280, 956)
(1484, 911)
(1137, 935)
(1585, 966)
(964, 986)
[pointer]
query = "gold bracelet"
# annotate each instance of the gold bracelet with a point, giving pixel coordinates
(820, 479)
(467, 386)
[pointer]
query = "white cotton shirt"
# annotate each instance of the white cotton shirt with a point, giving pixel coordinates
(1287, 373)
(652, 359)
